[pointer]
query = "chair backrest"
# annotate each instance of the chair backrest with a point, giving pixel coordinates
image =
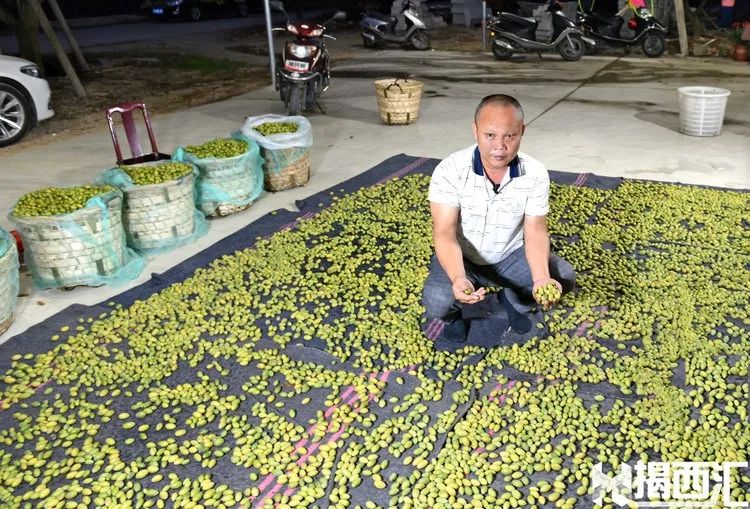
(126, 112)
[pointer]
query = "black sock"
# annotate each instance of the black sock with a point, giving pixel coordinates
(518, 322)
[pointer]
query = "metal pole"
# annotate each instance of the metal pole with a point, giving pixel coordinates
(484, 25)
(271, 55)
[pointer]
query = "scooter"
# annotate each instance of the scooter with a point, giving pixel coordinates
(649, 32)
(512, 33)
(379, 29)
(305, 71)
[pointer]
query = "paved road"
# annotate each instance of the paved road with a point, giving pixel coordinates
(148, 30)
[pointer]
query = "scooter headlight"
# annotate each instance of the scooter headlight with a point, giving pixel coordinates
(301, 51)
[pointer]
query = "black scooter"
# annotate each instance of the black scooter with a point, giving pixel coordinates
(379, 29)
(511, 33)
(649, 32)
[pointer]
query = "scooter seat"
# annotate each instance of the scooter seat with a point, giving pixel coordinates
(515, 18)
(382, 17)
(614, 22)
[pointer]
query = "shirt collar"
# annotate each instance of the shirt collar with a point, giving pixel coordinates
(515, 165)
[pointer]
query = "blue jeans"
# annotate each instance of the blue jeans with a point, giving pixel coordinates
(512, 274)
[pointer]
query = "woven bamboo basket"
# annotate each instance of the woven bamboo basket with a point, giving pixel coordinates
(239, 189)
(8, 286)
(398, 100)
(156, 214)
(77, 248)
(286, 168)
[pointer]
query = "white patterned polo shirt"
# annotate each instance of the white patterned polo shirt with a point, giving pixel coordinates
(490, 225)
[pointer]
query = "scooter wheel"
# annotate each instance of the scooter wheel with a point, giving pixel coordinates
(571, 48)
(296, 103)
(654, 44)
(501, 53)
(420, 40)
(369, 43)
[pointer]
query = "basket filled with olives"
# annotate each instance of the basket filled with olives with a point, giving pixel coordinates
(230, 173)
(9, 279)
(74, 236)
(285, 146)
(159, 210)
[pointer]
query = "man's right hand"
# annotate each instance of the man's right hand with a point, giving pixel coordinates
(461, 285)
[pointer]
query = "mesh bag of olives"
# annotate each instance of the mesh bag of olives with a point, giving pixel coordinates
(230, 173)
(274, 132)
(74, 236)
(285, 150)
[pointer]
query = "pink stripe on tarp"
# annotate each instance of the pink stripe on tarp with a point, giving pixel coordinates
(403, 170)
(437, 331)
(434, 325)
(270, 494)
(585, 178)
(262, 486)
(315, 446)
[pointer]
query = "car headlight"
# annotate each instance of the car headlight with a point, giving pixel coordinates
(31, 70)
(301, 51)
(174, 3)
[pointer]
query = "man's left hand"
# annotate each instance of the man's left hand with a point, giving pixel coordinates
(547, 292)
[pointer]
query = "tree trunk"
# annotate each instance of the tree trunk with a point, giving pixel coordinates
(27, 32)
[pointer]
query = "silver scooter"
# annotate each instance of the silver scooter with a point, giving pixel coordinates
(380, 29)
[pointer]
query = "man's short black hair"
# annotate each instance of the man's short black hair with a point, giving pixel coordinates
(498, 100)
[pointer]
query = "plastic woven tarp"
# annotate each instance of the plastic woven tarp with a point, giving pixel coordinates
(8, 276)
(284, 149)
(158, 217)
(230, 183)
(85, 247)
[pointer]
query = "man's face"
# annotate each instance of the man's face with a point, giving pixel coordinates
(498, 131)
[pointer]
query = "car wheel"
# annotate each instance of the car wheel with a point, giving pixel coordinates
(195, 13)
(15, 114)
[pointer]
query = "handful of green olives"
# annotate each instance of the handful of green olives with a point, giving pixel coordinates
(219, 148)
(55, 201)
(276, 128)
(547, 295)
(156, 174)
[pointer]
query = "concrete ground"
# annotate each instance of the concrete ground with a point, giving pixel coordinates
(607, 115)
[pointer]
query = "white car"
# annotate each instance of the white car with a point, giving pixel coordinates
(24, 98)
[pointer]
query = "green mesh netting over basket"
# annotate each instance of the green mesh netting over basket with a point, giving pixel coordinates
(9, 279)
(85, 247)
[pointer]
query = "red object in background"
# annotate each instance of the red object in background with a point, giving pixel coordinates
(19, 242)
(632, 24)
(126, 113)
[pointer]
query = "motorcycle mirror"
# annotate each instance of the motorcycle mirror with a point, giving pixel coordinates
(337, 16)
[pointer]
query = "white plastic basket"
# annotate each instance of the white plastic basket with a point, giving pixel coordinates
(702, 110)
